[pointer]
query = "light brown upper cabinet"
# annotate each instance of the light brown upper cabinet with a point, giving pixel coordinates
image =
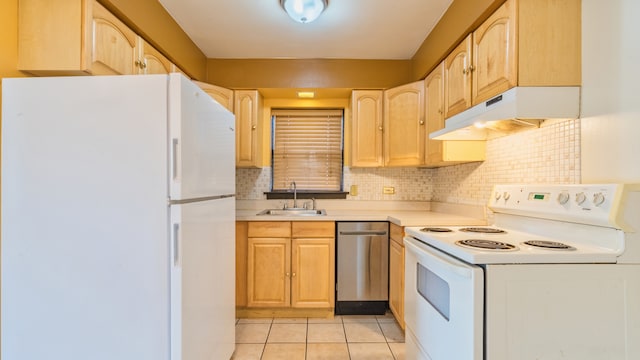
(450, 152)
(222, 95)
(151, 61)
(366, 128)
(457, 79)
(404, 125)
(248, 111)
(523, 43)
(81, 37)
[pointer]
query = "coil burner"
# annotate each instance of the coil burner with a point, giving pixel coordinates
(483, 230)
(486, 244)
(552, 245)
(436, 230)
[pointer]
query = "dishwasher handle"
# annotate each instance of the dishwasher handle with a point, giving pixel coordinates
(363, 232)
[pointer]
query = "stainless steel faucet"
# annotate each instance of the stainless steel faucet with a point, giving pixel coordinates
(295, 194)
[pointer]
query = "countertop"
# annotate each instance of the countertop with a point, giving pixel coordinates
(432, 215)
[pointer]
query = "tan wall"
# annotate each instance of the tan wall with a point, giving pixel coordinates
(308, 73)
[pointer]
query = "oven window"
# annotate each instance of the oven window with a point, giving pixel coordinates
(434, 289)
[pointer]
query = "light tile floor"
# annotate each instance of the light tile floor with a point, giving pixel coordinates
(349, 337)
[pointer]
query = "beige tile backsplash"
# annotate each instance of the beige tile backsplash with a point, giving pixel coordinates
(550, 154)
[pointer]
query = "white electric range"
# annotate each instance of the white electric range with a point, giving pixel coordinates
(557, 275)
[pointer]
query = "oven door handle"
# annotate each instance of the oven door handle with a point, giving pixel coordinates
(460, 268)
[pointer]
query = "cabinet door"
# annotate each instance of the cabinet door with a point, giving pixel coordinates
(312, 273)
(404, 125)
(247, 111)
(242, 242)
(222, 95)
(151, 61)
(114, 50)
(366, 128)
(396, 281)
(438, 152)
(268, 272)
(434, 112)
(457, 79)
(494, 54)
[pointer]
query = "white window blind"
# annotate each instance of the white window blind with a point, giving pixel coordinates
(307, 149)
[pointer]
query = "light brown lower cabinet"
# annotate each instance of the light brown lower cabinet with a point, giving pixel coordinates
(396, 273)
(288, 264)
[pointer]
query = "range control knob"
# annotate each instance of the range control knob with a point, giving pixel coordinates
(580, 198)
(498, 196)
(506, 196)
(563, 197)
(598, 199)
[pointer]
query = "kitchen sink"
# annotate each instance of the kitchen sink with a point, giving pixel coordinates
(293, 212)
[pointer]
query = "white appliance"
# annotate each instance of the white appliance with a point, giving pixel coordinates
(519, 108)
(117, 220)
(557, 276)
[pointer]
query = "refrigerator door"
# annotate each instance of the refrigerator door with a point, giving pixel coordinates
(85, 246)
(202, 281)
(201, 142)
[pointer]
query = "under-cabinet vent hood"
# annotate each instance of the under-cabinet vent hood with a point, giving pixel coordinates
(517, 109)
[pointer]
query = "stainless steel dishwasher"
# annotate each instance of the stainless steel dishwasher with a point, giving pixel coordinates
(362, 268)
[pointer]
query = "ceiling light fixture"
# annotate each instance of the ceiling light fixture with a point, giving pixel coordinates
(304, 11)
(306, 94)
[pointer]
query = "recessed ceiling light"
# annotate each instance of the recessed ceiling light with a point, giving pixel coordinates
(306, 94)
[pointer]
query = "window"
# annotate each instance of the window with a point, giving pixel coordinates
(307, 148)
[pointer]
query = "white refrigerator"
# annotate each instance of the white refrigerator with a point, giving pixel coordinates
(118, 210)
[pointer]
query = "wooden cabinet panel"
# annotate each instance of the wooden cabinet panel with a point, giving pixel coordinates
(366, 128)
(438, 152)
(494, 54)
(114, 48)
(312, 273)
(396, 281)
(241, 263)
(404, 125)
(457, 79)
(151, 60)
(301, 229)
(269, 229)
(248, 111)
(396, 272)
(222, 95)
(268, 272)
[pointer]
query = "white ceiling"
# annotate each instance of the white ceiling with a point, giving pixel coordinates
(348, 29)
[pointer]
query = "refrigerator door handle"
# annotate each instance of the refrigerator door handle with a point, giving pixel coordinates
(176, 245)
(174, 159)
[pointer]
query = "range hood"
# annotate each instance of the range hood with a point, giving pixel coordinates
(517, 109)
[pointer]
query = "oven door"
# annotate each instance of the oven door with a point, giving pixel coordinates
(443, 304)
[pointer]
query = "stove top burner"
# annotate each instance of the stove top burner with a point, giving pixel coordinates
(483, 230)
(486, 244)
(436, 229)
(549, 245)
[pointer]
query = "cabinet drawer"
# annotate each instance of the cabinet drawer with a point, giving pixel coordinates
(313, 229)
(396, 233)
(269, 229)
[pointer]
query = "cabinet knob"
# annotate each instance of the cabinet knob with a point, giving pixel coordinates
(253, 127)
(294, 274)
(287, 274)
(421, 122)
(471, 68)
(380, 128)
